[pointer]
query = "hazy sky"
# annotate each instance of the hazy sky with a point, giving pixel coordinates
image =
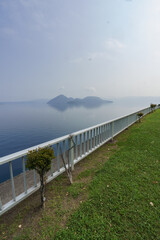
(106, 48)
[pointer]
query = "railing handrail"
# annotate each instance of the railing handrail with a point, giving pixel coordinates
(107, 122)
(24, 152)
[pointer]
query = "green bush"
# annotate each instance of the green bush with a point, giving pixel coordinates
(152, 106)
(140, 115)
(40, 160)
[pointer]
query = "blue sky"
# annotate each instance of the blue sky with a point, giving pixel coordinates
(108, 48)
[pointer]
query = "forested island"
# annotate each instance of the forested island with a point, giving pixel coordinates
(62, 102)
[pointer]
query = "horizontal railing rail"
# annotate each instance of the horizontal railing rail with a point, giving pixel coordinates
(75, 146)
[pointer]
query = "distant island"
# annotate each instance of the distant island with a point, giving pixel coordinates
(62, 102)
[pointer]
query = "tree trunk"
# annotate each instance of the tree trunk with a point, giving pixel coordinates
(68, 170)
(42, 190)
(70, 177)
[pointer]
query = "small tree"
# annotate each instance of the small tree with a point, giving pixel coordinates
(140, 115)
(40, 160)
(152, 106)
(69, 169)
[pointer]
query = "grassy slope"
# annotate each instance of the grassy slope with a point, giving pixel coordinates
(124, 195)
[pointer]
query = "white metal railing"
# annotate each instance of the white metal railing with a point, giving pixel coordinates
(84, 142)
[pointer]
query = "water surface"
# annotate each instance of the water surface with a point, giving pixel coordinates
(25, 125)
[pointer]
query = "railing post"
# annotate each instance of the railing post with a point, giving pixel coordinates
(80, 145)
(84, 143)
(88, 141)
(58, 165)
(96, 136)
(71, 146)
(100, 134)
(105, 131)
(52, 165)
(76, 147)
(91, 140)
(0, 204)
(24, 175)
(35, 177)
(12, 181)
(112, 130)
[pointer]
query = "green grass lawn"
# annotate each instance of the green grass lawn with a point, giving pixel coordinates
(115, 194)
(124, 196)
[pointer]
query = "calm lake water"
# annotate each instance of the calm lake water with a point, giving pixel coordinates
(24, 125)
